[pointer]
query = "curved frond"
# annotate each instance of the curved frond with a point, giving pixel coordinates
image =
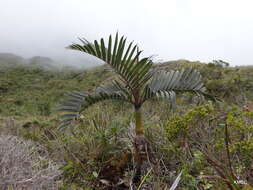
(122, 57)
(167, 84)
(184, 80)
(169, 96)
(76, 102)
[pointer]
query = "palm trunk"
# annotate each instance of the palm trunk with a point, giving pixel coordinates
(139, 130)
(139, 144)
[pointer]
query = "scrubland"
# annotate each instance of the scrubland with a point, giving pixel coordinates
(211, 143)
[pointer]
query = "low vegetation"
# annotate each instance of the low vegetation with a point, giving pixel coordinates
(211, 143)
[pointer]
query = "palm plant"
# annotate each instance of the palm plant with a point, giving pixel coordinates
(138, 81)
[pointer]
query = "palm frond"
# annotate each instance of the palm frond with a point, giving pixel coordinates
(169, 96)
(122, 57)
(167, 84)
(76, 102)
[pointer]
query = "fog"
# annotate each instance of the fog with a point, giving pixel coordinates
(201, 30)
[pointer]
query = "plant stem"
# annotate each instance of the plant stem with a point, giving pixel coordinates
(144, 178)
(138, 121)
(139, 144)
(226, 139)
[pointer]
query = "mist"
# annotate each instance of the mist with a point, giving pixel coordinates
(168, 30)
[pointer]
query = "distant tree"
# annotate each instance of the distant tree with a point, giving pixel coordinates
(219, 63)
(138, 81)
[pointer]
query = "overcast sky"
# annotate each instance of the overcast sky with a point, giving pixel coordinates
(169, 29)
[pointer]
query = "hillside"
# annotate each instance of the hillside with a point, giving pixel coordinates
(96, 151)
(10, 61)
(23, 86)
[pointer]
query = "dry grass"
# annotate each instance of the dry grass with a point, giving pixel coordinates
(25, 165)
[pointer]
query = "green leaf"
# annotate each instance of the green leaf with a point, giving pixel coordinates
(167, 84)
(95, 174)
(76, 102)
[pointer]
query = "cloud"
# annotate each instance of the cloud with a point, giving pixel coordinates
(173, 29)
